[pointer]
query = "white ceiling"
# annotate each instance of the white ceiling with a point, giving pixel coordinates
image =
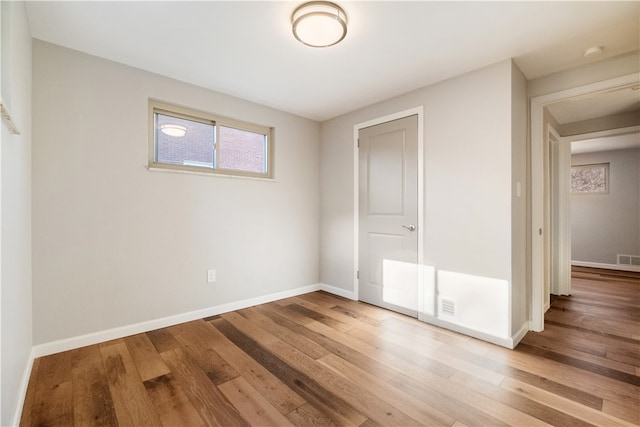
(246, 49)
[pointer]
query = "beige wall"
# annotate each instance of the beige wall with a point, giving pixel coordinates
(116, 244)
(15, 214)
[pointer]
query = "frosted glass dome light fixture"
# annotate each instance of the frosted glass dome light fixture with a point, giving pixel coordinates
(319, 24)
(173, 130)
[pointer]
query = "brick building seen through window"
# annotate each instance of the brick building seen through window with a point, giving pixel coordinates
(235, 150)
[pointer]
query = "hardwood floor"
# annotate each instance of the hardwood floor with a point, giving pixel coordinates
(319, 359)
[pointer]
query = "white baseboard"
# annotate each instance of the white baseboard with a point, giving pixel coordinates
(338, 291)
(124, 331)
(606, 266)
(517, 337)
(507, 342)
(22, 390)
(510, 342)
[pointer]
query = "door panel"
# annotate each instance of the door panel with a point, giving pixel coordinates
(388, 215)
(385, 192)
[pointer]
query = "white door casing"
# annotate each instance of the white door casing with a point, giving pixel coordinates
(559, 256)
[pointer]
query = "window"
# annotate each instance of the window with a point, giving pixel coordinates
(188, 140)
(590, 179)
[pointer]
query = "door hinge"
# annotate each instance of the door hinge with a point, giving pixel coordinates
(358, 142)
(358, 274)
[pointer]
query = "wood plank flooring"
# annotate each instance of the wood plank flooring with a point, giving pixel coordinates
(321, 360)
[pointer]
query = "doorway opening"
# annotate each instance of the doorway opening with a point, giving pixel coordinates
(605, 200)
(547, 264)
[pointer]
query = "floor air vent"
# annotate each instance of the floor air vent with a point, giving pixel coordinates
(628, 259)
(447, 307)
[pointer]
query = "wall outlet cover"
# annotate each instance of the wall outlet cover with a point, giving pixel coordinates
(211, 276)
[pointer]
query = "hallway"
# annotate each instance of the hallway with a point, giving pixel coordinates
(597, 330)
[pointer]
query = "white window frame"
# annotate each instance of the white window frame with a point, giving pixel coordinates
(216, 121)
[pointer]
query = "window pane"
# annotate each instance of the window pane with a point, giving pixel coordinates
(242, 150)
(194, 148)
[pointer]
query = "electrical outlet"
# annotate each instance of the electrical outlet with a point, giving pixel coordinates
(211, 276)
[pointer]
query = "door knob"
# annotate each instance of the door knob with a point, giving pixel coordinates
(410, 227)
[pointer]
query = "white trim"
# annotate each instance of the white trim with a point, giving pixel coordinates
(419, 111)
(339, 291)
(508, 342)
(537, 181)
(560, 217)
(420, 209)
(517, 337)
(356, 201)
(124, 331)
(602, 134)
(204, 173)
(22, 389)
(606, 266)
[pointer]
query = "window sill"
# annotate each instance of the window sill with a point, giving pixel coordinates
(213, 174)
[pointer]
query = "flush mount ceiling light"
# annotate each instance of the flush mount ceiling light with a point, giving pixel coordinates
(319, 23)
(173, 130)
